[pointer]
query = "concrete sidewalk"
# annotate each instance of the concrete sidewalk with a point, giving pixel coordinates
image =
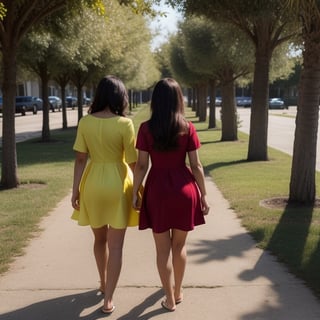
(227, 277)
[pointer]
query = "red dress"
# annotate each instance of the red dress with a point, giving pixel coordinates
(171, 198)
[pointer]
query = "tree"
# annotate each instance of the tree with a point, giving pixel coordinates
(222, 53)
(162, 57)
(199, 51)
(17, 19)
(185, 75)
(267, 23)
(302, 181)
(36, 53)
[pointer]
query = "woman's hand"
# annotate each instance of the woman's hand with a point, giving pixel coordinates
(204, 206)
(136, 202)
(75, 200)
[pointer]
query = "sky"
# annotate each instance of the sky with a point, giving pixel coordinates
(164, 26)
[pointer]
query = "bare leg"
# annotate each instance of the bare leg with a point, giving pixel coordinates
(115, 245)
(163, 248)
(100, 253)
(179, 260)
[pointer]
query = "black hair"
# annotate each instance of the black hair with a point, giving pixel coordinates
(111, 93)
(167, 120)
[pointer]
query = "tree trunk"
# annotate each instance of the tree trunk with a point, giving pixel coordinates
(228, 111)
(45, 107)
(130, 100)
(258, 139)
(189, 100)
(303, 170)
(194, 97)
(62, 80)
(212, 106)
(202, 102)
(197, 101)
(79, 97)
(79, 79)
(9, 177)
(64, 108)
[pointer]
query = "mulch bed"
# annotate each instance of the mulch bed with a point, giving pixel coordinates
(283, 202)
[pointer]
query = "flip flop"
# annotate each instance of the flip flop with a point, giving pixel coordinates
(108, 311)
(164, 306)
(179, 300)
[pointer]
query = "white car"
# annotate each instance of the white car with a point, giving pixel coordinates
(277, 103)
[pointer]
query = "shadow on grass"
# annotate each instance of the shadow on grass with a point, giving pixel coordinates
(58, 149)
(217, 165)
(289, 239)
(287, 244)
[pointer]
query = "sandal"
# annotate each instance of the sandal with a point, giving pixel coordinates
(164, 306)
(109, 310)
(179, 300)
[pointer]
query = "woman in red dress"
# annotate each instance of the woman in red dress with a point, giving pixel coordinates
(174, 198)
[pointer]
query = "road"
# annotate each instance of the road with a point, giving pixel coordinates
(281, 128)
(30, 125)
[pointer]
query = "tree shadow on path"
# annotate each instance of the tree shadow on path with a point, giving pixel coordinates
(66, 307)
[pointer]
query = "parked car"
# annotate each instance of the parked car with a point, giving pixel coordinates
(55, 103)
(28, 103)
(243, 102)
(0, 104)
(86, 101)
(277, 103)
(218, 101)
(71, 102)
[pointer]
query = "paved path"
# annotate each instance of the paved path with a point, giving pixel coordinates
(227, 277)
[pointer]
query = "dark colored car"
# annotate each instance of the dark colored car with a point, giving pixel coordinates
(277, 103)
(71, 102)
(55, 103)
(243, 102)
(28, 103)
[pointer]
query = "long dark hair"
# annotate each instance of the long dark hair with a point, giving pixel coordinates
(167, 120)
(111, 93)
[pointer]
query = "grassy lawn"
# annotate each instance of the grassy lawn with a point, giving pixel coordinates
(45, 171)
(291, 234)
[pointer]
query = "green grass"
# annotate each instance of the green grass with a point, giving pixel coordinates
(45, 172)
(291, 234)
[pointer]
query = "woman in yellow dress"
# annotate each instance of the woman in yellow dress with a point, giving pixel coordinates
(102, 186)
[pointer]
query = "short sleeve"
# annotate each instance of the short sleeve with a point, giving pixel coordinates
(80, 142)
(129, 143)
(193, 141)
(142, 138)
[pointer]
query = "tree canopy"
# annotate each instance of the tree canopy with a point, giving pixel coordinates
(17, 19)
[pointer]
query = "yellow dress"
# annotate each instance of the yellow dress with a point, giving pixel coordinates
(106, 184)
